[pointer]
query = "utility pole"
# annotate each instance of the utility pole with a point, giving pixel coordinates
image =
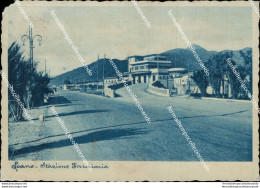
(129, 68)
(45, 68)
(97, 72)
(157, 67)
(189, 76)
(104, 74)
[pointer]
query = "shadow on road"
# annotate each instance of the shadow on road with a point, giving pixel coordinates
(58, 100)
(110, 134)
(78, 112)
(126, 124)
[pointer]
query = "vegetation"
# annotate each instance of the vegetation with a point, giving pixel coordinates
(29, 84)
(80, 75)
(219, 69)
(200, 79)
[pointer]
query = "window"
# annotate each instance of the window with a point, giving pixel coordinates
(153, 77)
(136, 68)
(141, 67)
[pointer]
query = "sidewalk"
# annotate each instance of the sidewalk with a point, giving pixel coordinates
(23, 133)
(216, 99)
(229, 100)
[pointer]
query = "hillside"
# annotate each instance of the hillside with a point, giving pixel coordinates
(179, 57)
(81, 75)
(184, 57)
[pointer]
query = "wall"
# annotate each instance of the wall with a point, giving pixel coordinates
(109, 93)
(170, 83)
(158, 91)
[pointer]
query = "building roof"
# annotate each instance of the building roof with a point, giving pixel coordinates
(177, 70)
(143, 56)
(159, 55)
(107, 78)
(135, 56)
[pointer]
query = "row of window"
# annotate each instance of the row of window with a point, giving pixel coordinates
(142, 67)
(165, 77)
(139, 67)
(156, 59)
(110, 81)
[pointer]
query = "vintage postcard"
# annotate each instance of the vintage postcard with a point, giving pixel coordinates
(130, 91)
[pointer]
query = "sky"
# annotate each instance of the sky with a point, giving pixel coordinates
(120, 31)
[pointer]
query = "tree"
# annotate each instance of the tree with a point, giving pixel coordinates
(67, 81)
(24, 79)
(17, 79)
(201, 80)
(244, 69)
(218, 68)
(247, 68)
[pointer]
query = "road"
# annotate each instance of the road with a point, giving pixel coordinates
(115, 130)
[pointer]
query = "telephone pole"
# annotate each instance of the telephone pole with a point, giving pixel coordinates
(45, 68)
(97, 72)
(104, 74)
(157, 67)
(189, 76)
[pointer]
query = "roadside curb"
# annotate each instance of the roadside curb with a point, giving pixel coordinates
(228, 100)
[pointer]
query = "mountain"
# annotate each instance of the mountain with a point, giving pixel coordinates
(237, 55)
(179, 57)
(80, 74)
(184, 57)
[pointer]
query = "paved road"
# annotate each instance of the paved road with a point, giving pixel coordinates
(114, 129)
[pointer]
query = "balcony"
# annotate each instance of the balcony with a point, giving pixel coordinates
(151, 70)
(155, 70)
(145, 61)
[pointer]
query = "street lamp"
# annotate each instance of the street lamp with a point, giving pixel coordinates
(30, 37)
(104, 74)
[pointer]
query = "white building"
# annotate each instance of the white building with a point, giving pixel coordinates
(148, 69)
(151, 68)
(176, 72)
(111, 80)
(115, 80)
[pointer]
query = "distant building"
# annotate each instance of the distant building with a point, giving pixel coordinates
(148, 69)
(176, 72)
(115, 80)
(111, 80)
(151, 68)
(71, 87)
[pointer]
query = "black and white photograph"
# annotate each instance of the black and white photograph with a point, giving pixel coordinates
(156, 91)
